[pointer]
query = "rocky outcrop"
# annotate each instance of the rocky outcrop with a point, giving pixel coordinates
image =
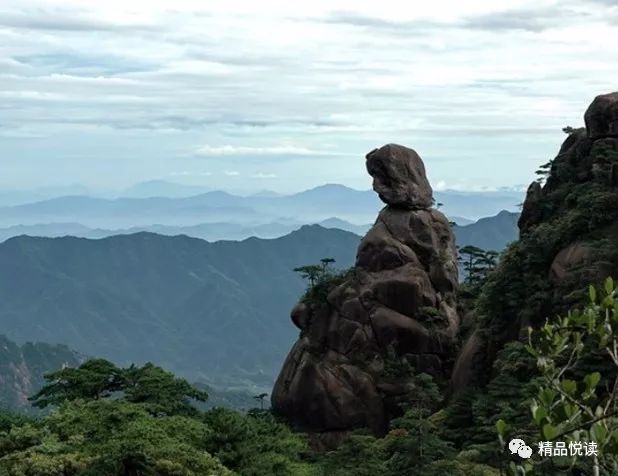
(399, 177)
(22, 369)
(394, 310)
(530, 212)
(568, 235)
(602, 117)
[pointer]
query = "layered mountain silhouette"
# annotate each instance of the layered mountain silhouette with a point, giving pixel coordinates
(216, 310)
(491, 233)
(311, 206)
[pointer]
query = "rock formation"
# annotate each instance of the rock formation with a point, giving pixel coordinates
(395, 308)
(568, 235)
(602, 117)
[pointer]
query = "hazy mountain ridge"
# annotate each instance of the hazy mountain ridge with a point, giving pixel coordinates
(490, 233)
(487, 233)
(216, 310)
(314, 205)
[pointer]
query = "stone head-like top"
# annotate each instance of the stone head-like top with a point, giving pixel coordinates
(602, 116)
(399, 177)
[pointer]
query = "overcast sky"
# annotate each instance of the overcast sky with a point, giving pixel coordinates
(286, 95)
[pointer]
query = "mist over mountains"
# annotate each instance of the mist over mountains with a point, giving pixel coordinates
(176, 205)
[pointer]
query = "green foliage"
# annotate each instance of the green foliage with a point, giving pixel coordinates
(260, 398)
(110, 437)
(544, 171)
(396, 367)
(477, 264)
(471, 418)
(140, 421)
(94, 379)
(159, 391)
(255, 444)
(360, 454)
(570, 406)
(518, 292)
(322, 279)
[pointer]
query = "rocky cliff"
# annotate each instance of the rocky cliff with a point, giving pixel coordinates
(22, 369)
(395, 310)
(568, 236)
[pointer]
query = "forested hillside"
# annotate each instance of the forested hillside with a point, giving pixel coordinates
(216, 312)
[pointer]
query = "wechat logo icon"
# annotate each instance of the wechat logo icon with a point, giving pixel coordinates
(521, 448)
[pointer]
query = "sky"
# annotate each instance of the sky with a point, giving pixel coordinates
(284, 96)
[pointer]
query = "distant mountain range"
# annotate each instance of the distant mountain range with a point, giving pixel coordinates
(205, 231)
(176, 209)
(216, 312)
(491, 233)
(488, 233)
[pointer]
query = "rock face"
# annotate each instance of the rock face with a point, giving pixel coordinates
(568, 235)
(396, 308)
(399, 177)
(602, 116)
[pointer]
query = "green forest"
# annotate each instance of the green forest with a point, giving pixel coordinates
(98, 419)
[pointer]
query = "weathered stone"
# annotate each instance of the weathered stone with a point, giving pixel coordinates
(400, 299)
(582, 181)
(531, 213)
(466, 368)
(379, 250)
(327, 393)
(300, 315)
(601, 117)
(567, 259)
(399, 177)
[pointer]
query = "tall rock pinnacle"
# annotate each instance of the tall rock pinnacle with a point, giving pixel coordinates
(397, 306)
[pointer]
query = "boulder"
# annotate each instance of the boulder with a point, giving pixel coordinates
(601, 117)
(531, 212)
(399, 177)
(569, 258)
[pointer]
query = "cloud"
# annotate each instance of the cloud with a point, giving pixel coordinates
(67, 20)
(137, 86)
(187, 173)
(262, 175)
(290, 150)
(231, 173)
(526, 19)
(20, 133)
(356, 19)
(532, 19)
(440, 185)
